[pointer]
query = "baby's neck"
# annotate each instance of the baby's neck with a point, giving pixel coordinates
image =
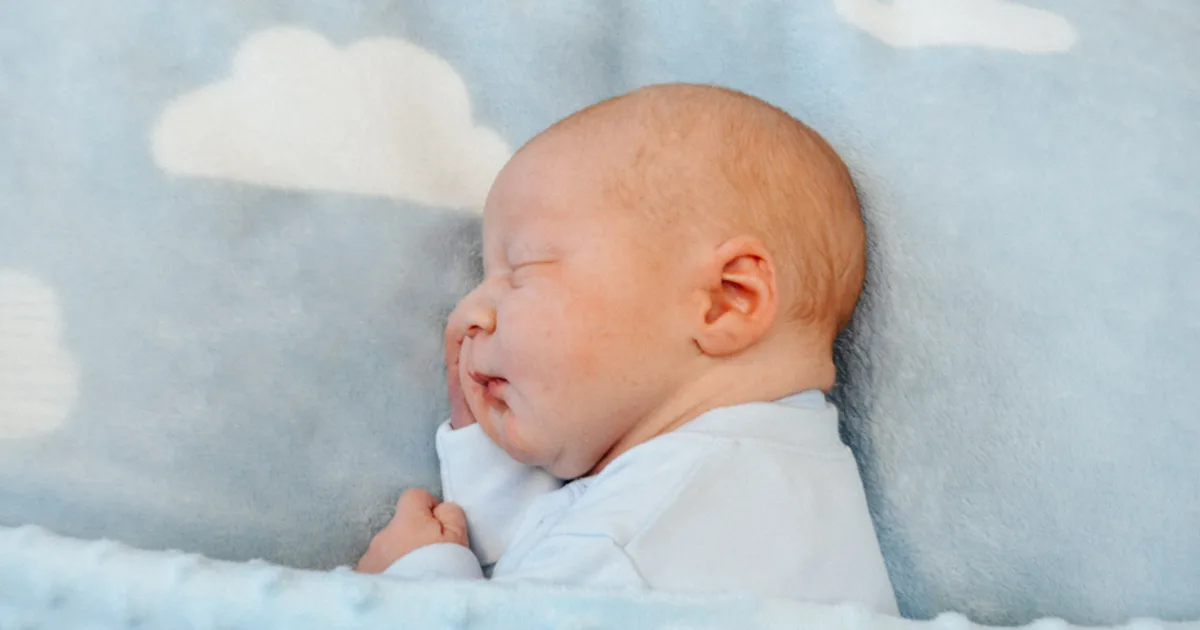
(752, 377)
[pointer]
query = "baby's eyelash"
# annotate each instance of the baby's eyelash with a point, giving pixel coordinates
(525, 266)
(529, 263)
(518, 268)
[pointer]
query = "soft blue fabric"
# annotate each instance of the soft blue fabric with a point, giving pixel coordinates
(47, 583)
(229, 231)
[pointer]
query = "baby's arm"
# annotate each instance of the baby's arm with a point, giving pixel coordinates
(428, 537)
(492, 488)
(568, 559)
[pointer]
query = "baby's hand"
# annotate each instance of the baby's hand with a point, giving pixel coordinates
(419, 521)
(456, 332)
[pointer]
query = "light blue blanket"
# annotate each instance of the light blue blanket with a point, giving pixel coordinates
(230, 231)
(60, 584)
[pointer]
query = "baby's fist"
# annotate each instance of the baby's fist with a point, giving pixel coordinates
(420, 521)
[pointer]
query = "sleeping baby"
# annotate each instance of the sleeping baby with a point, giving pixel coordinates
(665, 274)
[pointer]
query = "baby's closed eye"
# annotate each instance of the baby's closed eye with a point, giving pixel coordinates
(525, 271)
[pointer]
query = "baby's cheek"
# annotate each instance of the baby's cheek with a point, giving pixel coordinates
(562, 340)
(591, 338)
(519, 435)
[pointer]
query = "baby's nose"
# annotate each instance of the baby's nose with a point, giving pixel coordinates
(474, 315)
(482, 320)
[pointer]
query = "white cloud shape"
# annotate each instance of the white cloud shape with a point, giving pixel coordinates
(996, 24)
(39, 379)
(380, 117)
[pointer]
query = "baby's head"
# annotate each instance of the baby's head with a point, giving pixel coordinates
(652, 257)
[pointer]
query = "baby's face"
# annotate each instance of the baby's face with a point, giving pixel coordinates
(583, 344)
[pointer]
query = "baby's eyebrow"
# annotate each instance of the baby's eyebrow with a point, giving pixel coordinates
(492, 257)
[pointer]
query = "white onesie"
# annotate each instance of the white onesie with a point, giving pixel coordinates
(761, 498)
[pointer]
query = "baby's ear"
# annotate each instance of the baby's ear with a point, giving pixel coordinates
(741, 297)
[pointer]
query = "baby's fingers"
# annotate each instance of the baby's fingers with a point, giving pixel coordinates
(461, 414)
(456, 330)
(416, 501)
(454, 522)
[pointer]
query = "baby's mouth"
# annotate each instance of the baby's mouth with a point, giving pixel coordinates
(493, 386)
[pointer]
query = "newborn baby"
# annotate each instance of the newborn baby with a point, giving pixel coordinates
(665, 275)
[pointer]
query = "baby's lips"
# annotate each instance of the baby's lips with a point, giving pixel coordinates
(491, 388)
(482, 377)
(488, 382)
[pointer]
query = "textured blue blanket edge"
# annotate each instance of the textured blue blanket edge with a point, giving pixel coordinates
(49, 581)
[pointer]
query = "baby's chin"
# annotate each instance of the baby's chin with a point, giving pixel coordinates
(504, 428)
(511, 433)
(565, 462)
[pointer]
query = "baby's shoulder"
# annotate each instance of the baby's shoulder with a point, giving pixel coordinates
(685, 473)
(627, 495)
(765, 500)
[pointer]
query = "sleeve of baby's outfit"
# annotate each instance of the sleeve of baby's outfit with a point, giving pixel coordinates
(582, 559)
(492, 488)
(443, 560)
(567, 559)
